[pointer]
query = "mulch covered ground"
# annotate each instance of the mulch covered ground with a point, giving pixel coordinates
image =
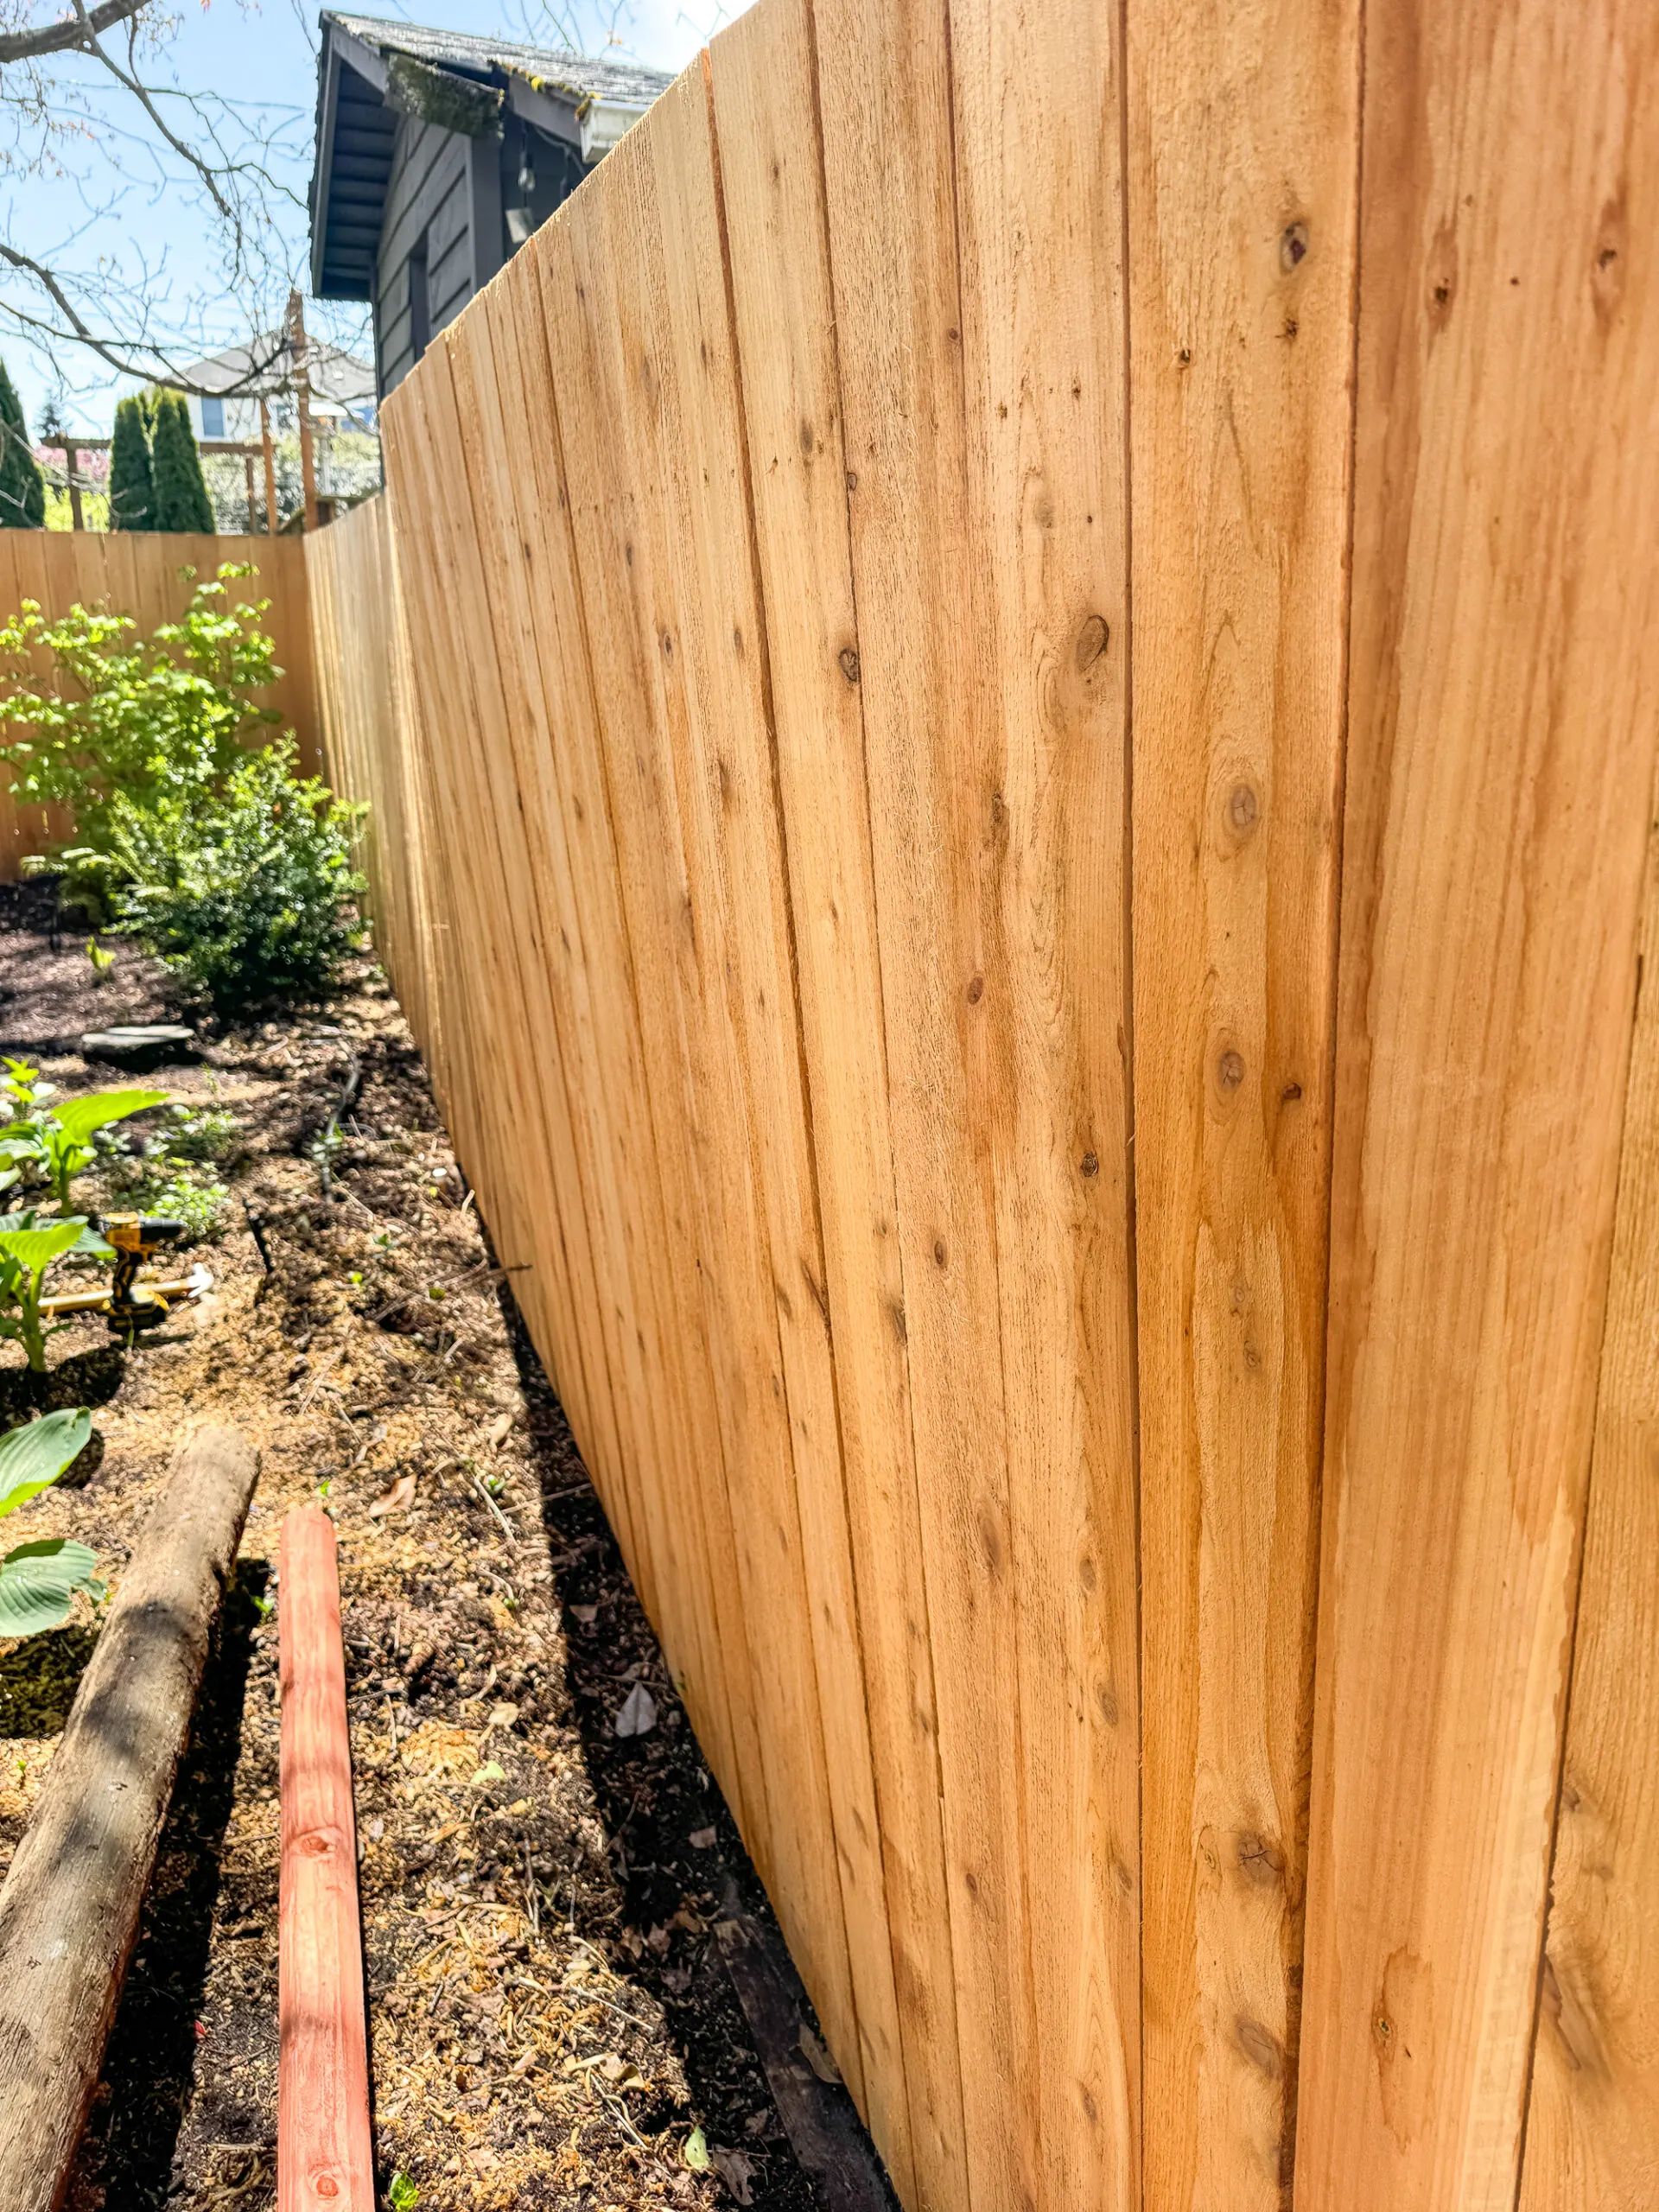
(549, 2016)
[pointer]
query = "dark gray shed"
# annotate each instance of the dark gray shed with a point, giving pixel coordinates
(437, 155)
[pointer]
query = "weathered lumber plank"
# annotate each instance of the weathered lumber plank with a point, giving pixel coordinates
(325, 2158)
(1504, 700)
(69, 1910)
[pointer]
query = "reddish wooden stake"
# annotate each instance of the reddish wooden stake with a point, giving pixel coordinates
(325, 2160)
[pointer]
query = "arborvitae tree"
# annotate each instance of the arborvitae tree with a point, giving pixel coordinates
(22, 488)
(132, 490)
(181, 500)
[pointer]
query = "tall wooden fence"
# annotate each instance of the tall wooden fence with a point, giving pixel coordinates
(145, 575)
(1019, 826)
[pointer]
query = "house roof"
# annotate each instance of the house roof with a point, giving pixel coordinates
(333, 373)
(369, 70)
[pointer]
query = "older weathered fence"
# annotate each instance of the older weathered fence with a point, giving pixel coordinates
(924, 589)
(139, 574)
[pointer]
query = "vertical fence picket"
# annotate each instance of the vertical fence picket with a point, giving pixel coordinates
(1502, 708)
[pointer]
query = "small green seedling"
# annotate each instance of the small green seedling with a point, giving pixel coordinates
(24, 1093)
(404, 2195)
(26, 1250)
(38, 1581)
(102, 961)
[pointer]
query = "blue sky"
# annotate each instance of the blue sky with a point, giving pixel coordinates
(102, 199)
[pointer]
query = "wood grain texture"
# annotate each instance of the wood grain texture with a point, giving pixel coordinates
(69, 1908)
(1037, 127)
(506, 1039)
(325, 2158)
(765, 110)
(1503, 715)
(139, 573)
(372, 747)
(692, 794)
(1591, 2141)
(938, 829)
(1241, 241)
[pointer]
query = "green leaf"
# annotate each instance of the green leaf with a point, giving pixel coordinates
(37, 1582)
(34, 1250)
(33, 1457)
(696, 2153)
(78, 1117)
(403, 2194)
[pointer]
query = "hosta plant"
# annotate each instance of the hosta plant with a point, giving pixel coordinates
(38, 1581)
(53, 1143)
(27, 1248)
(66, 1132)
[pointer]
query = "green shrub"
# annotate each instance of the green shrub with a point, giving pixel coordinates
(132, 487)
(181, 500)
(246, 893)
(153, 718)
(22, 488)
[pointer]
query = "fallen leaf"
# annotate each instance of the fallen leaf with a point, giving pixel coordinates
(817, 2056)
(503, 1716)
(586, 1614)
(701, 1839)
(500, 1429)
(638, 1713)
(735, 2169)
(398, 1498)
(696, 2152)
(488, 1772)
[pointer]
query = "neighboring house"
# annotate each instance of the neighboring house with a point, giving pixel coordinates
(342, 387)
(437, 154)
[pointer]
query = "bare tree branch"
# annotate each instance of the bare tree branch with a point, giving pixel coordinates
(67, 35)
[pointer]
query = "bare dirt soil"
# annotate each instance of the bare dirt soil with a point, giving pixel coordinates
(549, 2012)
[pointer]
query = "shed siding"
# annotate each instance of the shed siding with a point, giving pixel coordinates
(428, 196)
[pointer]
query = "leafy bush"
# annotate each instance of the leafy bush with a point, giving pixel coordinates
(22, 488)
(38, 1581)
(151, 719)
(246, 893)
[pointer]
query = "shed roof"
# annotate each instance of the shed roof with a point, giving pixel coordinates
(555, 68)
(367, 67)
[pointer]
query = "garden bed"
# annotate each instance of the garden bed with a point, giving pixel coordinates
(548, 2015)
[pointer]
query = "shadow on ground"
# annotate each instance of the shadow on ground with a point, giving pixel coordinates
(674, 1849)
(149, 2065)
